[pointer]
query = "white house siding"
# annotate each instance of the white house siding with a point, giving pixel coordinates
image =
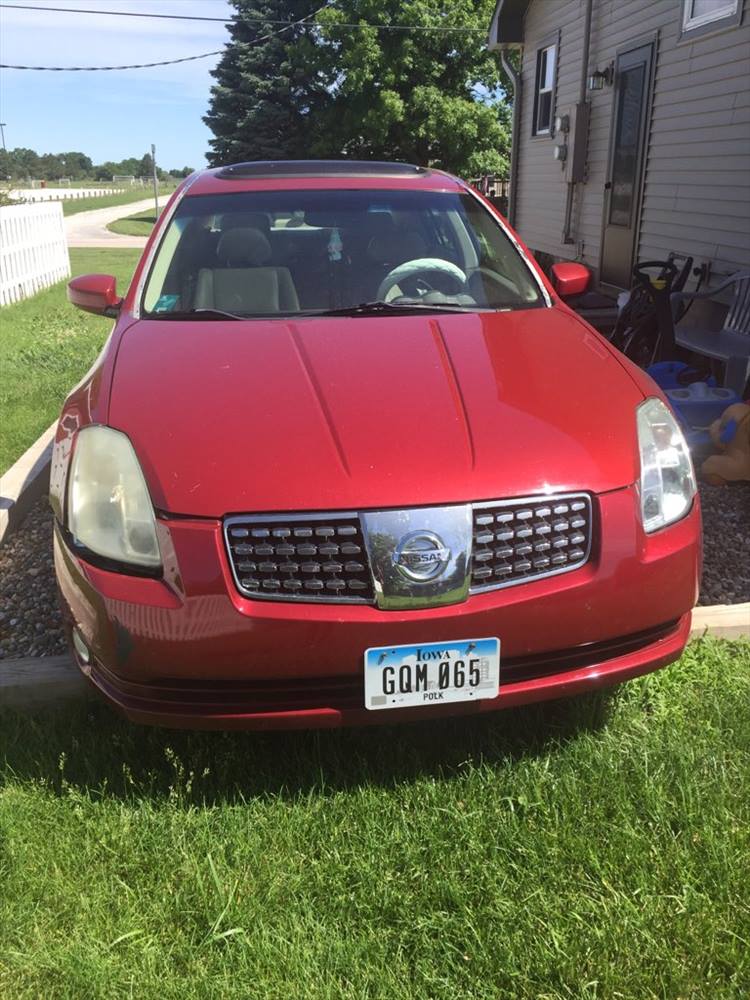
(697, 185)
(696, 194)
(541, 191)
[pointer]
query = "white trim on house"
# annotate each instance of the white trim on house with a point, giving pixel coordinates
(721, 9)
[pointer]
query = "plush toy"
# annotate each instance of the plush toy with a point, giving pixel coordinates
(731, 435)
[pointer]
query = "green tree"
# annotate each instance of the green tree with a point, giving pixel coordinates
(422, 91)
(75, 165)
(146, 166)
(51, 167)
(24, 163)
(429, 96)
(7, 165)
(106, 171)
(267, 85)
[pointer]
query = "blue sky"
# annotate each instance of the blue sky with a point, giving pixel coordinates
(109, 115)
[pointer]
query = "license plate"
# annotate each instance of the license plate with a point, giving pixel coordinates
(431, 673)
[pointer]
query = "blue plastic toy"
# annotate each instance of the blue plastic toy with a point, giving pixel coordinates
(674, 374)
(697, 406)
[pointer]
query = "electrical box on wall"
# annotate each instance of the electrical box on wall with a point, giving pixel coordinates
(578, 140)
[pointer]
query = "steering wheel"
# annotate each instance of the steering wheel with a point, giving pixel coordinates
(415, 269)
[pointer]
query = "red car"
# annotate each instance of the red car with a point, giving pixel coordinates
(348, 457)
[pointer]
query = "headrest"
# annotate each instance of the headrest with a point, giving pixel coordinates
(246, 220)
(242, 247)
(321, 220)
(396, 246)
(380, 223)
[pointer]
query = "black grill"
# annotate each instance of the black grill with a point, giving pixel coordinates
(520, 540)
(304, 558)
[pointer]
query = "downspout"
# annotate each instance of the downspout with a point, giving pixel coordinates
(515, 77)
(567, 236)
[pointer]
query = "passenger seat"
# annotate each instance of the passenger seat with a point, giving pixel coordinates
(240, 282)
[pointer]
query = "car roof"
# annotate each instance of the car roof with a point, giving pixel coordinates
(319, 174)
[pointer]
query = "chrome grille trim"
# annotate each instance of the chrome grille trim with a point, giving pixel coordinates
(519, 540)
(534, 538)
(301, 558)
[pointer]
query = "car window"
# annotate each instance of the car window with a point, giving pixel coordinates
(266, 253)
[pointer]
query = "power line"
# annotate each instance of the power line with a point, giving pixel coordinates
(129, 13)
(361, 25)
(101, 69)
(303, 21)
(307, 22)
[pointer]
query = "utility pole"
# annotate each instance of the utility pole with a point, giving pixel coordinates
(2, 133)
(156, 186)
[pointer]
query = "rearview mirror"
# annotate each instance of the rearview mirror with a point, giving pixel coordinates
(95, 293)
(570, 278)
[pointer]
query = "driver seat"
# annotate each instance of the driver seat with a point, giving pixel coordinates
(241, 283)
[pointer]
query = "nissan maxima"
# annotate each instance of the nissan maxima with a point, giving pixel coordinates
(347, 456)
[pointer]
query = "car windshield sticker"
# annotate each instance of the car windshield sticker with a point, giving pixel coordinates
(166, 303)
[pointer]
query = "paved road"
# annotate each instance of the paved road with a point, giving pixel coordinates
(89, 229)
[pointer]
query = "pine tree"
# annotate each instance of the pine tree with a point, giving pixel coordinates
(267, 88)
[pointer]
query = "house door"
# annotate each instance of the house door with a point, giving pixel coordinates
(623, 187)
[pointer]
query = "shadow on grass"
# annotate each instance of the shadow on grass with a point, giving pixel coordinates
(92, 749)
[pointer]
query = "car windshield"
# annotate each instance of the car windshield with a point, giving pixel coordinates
(317, 252)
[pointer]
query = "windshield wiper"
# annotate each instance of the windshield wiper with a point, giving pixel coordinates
(376, 308)
(379, 307)
(195, 314)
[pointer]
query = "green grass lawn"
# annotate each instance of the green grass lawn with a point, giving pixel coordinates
(74, 205)
(597, 848)
(139, 224)
(46, 347)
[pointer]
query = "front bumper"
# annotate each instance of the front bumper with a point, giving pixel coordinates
(189, 650)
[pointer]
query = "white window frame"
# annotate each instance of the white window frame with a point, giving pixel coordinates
(540, 90)
(725, 9)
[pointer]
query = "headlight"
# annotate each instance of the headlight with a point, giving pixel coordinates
(667, 476)
(109, 509)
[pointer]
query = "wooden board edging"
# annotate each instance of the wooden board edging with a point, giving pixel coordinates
(25, 482)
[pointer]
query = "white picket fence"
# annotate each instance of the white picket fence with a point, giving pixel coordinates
(33, 250)
(60, 194)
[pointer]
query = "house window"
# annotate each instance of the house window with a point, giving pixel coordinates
(544, 90)
(714, 13)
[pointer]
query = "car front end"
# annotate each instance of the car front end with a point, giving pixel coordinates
(341, 516)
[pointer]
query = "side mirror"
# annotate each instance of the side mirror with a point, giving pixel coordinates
(95, 293)
(570, 278)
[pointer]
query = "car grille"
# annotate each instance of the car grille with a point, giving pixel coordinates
(323, 557)
(307, 557)
(520, 540)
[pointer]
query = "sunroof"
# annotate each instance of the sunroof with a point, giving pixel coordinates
(319, 168)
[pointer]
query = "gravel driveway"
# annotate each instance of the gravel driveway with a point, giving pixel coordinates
(30, 622)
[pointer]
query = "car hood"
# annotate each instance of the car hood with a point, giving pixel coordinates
(387, 411)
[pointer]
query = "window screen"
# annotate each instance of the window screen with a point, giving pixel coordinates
(546, 60)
